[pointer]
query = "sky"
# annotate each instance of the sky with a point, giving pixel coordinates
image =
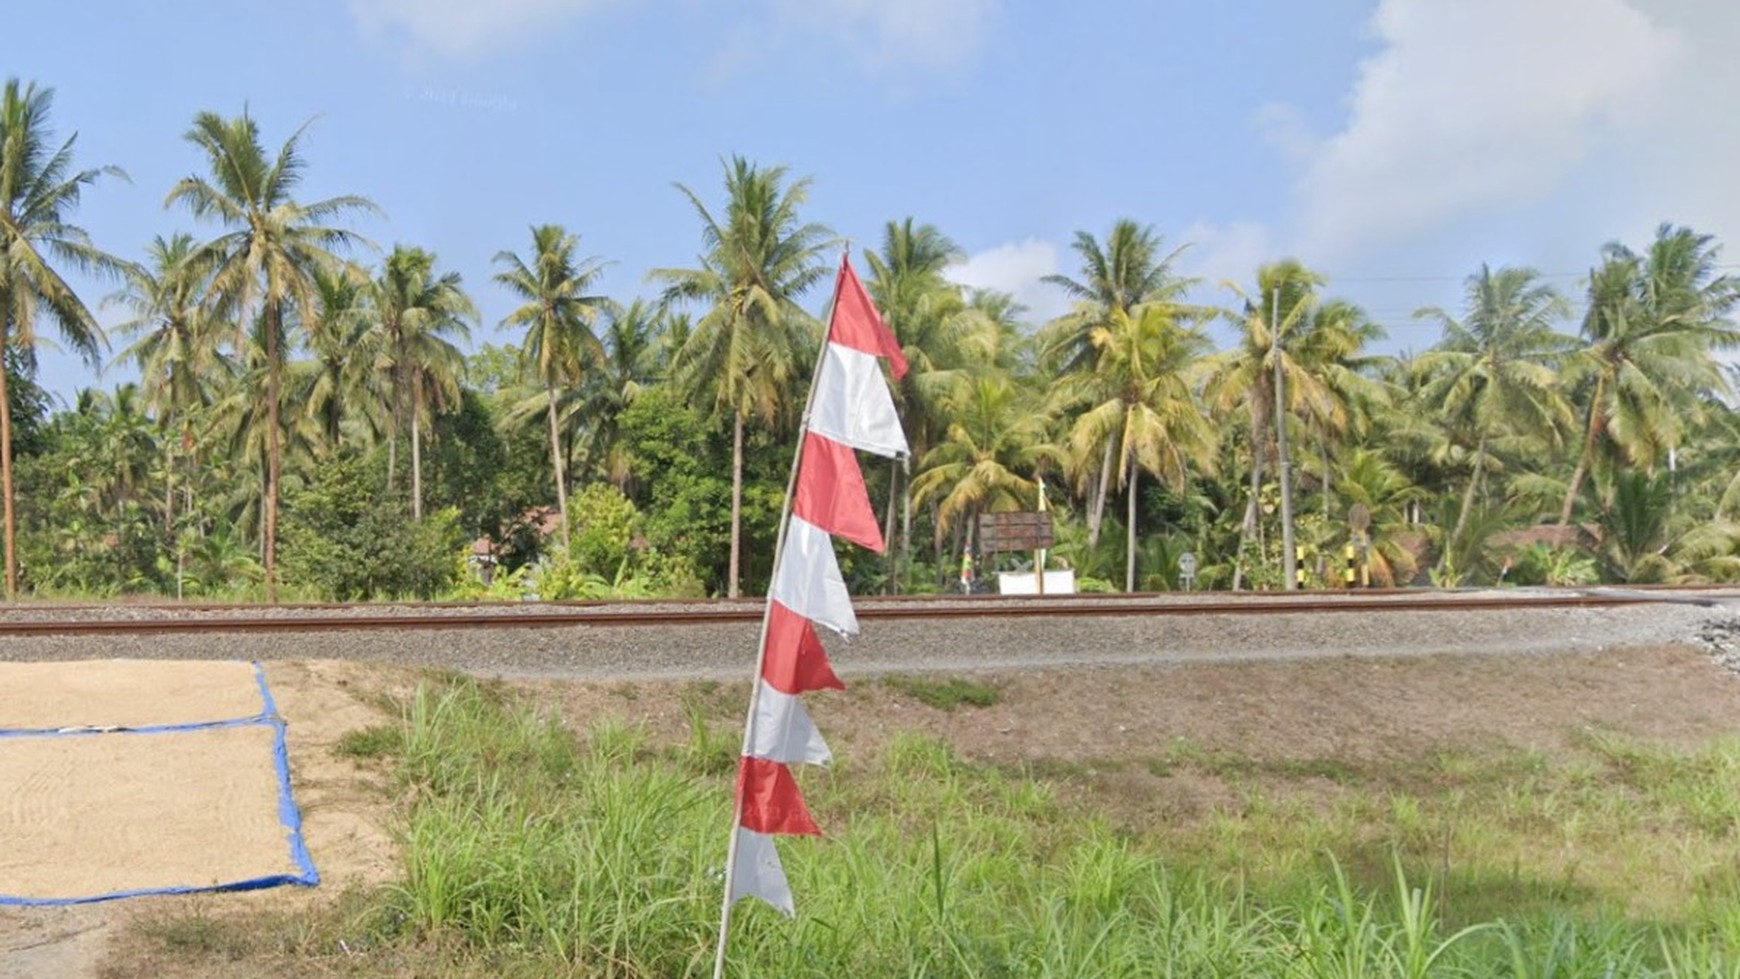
(1393, 146)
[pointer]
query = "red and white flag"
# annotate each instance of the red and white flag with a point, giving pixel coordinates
(850, 408)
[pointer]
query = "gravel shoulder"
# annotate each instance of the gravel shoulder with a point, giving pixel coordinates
(724, 651)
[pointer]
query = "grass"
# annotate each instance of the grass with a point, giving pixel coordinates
(946, 694)
(378, 741)
(532, 850)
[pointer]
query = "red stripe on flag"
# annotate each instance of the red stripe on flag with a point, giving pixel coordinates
(771, 800)
(831, 493)
(856, 323)
(795, 662)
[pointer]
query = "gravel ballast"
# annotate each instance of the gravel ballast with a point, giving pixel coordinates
(727, 650)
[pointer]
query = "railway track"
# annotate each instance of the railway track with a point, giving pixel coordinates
(162, 619)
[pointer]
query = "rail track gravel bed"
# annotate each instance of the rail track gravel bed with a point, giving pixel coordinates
(899, 635)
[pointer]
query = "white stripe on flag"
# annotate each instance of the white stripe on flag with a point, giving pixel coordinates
(759, 873)
(784, 732)
(809, 581)
(852, 403)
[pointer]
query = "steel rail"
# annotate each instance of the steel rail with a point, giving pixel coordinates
(859, 601)
(323, 619)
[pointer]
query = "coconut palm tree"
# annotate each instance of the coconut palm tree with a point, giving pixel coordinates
(1493, 375)
(411, 312)
(1127, 270)
(266, 260)
(932, 320)
(751, 347)
(1652, 323)
(1141, 396)
(177, 346)
(998, 437)
(249, 430)
(626, 370)
(1288, 338)
(39, 190)
(559, 315)
(341, 382)
(1368, 479)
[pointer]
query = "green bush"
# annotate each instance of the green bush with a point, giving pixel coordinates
(345, 540)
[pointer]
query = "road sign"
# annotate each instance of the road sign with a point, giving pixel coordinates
(1358, 517)
(1023, 531)
(1187, 563)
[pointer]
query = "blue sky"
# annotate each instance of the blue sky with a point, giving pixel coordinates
(1391, 144)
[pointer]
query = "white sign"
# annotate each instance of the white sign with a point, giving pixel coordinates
(1025, 583)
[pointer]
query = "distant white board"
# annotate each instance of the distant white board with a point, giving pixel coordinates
(1027, 583)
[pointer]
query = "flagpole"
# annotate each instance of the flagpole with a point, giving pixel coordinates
(766, 618)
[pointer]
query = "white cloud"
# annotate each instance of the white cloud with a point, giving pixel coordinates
(935, 34)
(880, 34)
(1016, 268)
(1225, 253)
(1475, 103)
(464, 27)
(1684, 158)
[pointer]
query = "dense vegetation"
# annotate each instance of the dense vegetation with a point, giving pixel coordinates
(527, 850)
(306, 412)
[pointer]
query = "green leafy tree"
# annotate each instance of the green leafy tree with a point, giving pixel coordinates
(29, 406)
(412, 312)
(674, 464)
(1130, 268)
(346, 539)
(1290, 361)
(1140, 400)
(1372, 481)
(943, 334)
(559, 315)
(177, 349)
(266, 261)
(1494, 373)
(1652, 324)
(750, 348)
(39, 190)
(997, 438)
(340, 378)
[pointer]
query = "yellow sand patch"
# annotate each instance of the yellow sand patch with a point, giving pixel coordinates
(96, 813)
(125, 693)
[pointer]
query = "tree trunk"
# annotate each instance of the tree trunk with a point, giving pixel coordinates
(1587, 457)
(556, 465)
(1097, 512)
(1249, 527)
(731, 583)
(272, 452)
(395, 414)
(936, 546)
(889, 551)
(905, 515)
(6, 466)
(1467, 500)
(1323, 460)
(168, 491)
(416, 457)
(1130, 549)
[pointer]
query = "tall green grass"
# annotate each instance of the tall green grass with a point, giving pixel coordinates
(600, 855)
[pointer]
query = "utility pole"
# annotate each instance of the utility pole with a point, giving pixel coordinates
(1289, 560)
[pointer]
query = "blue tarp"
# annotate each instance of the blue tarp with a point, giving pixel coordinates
(288, 813)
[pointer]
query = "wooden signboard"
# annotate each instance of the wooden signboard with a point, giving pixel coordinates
(1024, 531)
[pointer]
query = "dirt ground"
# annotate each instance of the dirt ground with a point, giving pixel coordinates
(1362, 709)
